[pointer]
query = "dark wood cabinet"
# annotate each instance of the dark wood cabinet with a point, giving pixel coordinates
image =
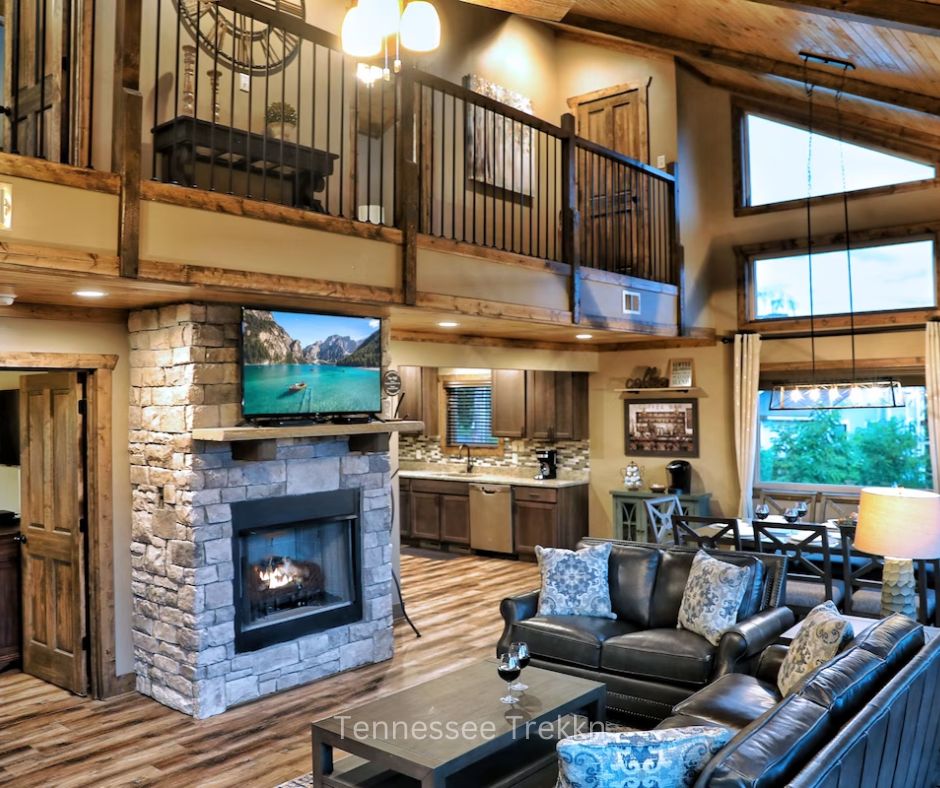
(509, 403)
(556, 405)
(10, 623)
(540, 404)
(425, 515)
(404, 507)
(419, 399)
(549, 516)
(455, 519)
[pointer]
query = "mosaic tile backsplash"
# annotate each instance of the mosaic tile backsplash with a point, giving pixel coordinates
(572, 455)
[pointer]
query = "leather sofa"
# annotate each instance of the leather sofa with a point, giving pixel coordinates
(647, 663)
(870, 716)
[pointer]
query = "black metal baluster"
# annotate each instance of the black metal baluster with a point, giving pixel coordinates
(231, 105)
(453, 166)
(503, 183)
(214, 99)
(396, 104)
(443, 136)
(280, 169)
(471, 169)
(313, 121)
(512, 179)
(156, 92)
(15, 82)
(195, 121)
(176, 95)
(422, 153)
(381, 153)
(329, 124)
(41, 36)
(249, 161)
(342, 131)
(369, 143)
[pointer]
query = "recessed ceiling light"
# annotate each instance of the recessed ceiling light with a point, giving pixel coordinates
(583, 336)
(448, 324)
(90, 293)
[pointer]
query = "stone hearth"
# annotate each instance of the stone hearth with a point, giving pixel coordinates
(184, 375)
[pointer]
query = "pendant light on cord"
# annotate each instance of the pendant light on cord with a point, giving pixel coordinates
(370, 24)
(852, 393)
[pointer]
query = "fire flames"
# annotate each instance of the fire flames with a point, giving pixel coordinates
(283, 573)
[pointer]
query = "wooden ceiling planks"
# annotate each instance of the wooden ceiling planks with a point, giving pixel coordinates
(907, 63)
(912, 16)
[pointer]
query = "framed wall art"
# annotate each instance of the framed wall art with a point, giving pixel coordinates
(661, 428)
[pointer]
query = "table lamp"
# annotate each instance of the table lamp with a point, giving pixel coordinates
(901, 525)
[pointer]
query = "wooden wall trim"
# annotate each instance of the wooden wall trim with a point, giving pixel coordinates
(71, 313)
(17, 166)
(477, 340)
(482, 308)
(58, 259)
(491, 255)
(631, 282)
(232, 205)
(861, 365)
(80, 361)
(697, 337)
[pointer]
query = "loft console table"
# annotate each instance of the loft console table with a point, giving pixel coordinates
(184, 141)
(630, 521)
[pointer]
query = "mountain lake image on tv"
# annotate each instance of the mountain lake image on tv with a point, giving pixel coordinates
(302, 364)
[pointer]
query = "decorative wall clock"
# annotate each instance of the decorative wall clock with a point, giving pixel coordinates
(244, 44)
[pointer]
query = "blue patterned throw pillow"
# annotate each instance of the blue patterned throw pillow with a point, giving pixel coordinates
(574, 583)
(670, 758)
(822, 634)
(712, 596)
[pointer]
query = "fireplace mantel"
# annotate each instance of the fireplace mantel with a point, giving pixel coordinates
(260, 443)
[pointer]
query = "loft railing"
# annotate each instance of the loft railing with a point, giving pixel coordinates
(48, 79)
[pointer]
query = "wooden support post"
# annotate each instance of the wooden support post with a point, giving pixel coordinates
(126, 136)
(677, 252)
(570, 216)
(407, 198)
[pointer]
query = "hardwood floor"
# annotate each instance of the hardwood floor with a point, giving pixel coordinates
(49, 737)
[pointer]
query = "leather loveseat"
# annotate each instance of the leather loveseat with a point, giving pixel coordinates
(870, 716)
(647, 663)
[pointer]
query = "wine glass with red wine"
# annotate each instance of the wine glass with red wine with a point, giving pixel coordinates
(521, 652)
(509, 670)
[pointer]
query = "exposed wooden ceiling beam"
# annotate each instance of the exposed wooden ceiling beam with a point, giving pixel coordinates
(910, 15)
(549, 10)
(760, 64)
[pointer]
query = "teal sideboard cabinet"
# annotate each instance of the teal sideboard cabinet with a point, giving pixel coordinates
(630, 514)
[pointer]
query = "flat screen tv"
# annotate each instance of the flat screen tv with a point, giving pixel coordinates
(297, 364)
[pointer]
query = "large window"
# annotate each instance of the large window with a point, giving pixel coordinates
(884, 278)
(470, 414)
(777, 153)
(857, 447)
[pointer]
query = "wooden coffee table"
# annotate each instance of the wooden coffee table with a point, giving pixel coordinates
(483, 742)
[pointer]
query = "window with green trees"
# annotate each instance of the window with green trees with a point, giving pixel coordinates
(853, 447)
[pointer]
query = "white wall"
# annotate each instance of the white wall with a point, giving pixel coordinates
(51, 336)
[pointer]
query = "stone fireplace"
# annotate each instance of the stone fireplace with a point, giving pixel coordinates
(312, 515)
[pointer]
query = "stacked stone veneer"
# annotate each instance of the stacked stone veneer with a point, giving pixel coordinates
(184, 374)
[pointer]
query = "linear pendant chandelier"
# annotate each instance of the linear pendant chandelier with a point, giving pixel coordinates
(838, 394)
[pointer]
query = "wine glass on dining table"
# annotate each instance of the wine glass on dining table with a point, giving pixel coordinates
(761, 511)
(521, 652)
(508, 670)
(802, 508)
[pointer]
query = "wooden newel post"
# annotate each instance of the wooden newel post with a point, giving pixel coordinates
(407, 198)
(127, 130)
(677, 253)
(570, 216)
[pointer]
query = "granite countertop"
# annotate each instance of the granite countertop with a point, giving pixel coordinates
(517, 477)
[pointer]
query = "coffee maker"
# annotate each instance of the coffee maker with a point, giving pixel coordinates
(547, 464)
(680, 477)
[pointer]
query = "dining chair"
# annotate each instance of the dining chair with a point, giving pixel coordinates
(837, 506)
(808, 549)
(712, 533)
(862, 579)
(779, 499)
(659, 512)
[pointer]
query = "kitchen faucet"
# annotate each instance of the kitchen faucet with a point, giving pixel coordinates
(469, 458)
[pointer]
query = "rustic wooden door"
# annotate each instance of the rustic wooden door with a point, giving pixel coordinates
(611, 200)
(51, 529)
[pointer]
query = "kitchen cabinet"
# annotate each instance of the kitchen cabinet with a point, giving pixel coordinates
(404, 508)
(10, 623)
(540, 404)
(556, 405)
(440, 511)
(550, 517)
(509, 403)
(419, 398)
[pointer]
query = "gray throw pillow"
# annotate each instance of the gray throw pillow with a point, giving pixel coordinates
(712, 596)
(574, 583)
(822, 635)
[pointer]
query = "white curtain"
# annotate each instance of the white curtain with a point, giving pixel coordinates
(932, 369)
(746, 393)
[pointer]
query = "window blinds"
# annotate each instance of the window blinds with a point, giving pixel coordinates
(469, 414)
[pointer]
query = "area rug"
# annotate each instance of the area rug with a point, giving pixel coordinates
(306, 780)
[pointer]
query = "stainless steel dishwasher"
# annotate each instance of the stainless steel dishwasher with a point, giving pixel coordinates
(491, 517)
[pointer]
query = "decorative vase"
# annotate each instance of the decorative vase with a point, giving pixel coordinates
(189, 69)
(632, 478)
(214, 76)
(281, 130)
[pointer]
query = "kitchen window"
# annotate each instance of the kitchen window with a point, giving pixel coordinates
(470, 414)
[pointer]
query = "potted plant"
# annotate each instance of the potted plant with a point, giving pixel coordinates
(281, 121)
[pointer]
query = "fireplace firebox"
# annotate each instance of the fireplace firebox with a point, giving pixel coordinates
(297, 566)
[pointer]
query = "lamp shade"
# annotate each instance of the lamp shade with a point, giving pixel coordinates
(897, 522)
(384, 15)
(359, 37)
(420, 27)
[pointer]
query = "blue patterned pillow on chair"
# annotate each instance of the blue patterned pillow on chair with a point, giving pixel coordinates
(670, 758)
(712, 596)
(574, 583)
